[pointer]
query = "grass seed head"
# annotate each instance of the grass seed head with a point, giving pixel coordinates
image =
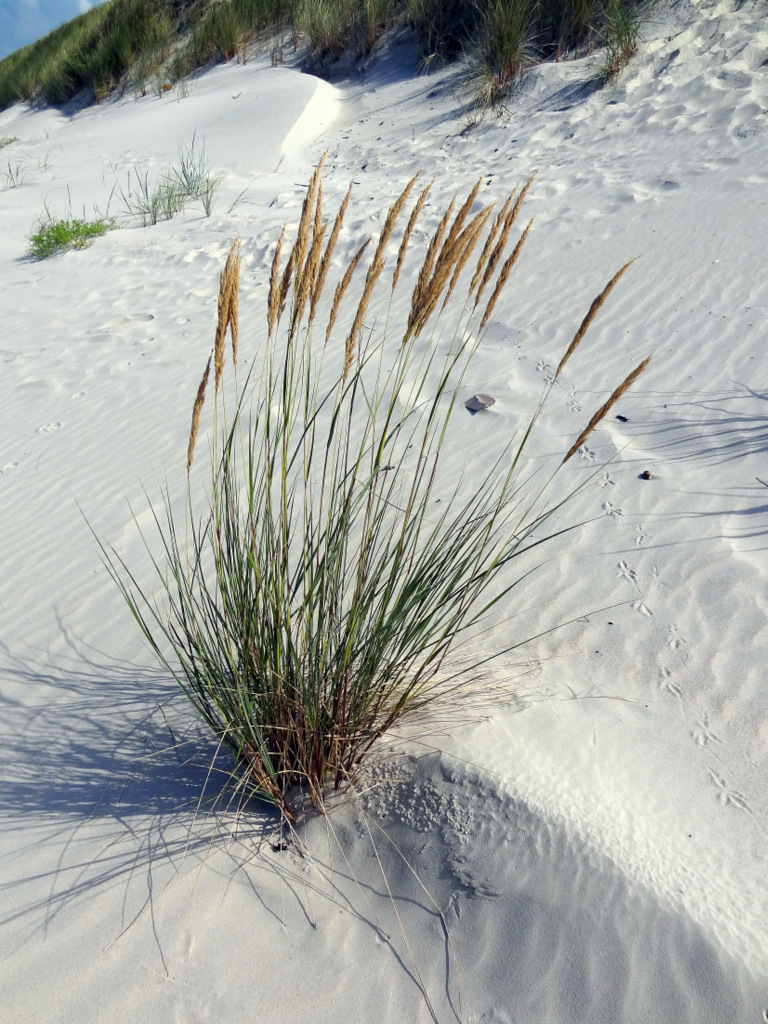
(341, 288)
(591, 314)
(503, 275)
(603, 411)
(408, 230)
(273, 302)
(325, 263)
(196, 411)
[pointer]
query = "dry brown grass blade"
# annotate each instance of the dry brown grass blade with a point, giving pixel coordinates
(196, 410)
(591, 314)
(408, 230)
(504, 274)
(273, 302)
(341, 288)
(606, 408)
(325, 263)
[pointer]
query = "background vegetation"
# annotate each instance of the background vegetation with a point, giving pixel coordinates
(134, 41)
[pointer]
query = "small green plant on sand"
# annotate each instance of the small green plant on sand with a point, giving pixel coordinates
(318, 595)
(189, 181)
(54, 236)
(6, 140)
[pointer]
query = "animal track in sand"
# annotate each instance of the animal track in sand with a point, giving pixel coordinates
(726, 796)
(547, 370)
(612, 510)
(626, 573)
(674, 640)
(50, 427)
(9, 466)
(586, 453)
(605, 481)
(640, 537)
(702, 734)
(643, 609)
(668, 684)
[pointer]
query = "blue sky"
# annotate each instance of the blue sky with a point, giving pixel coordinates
(23, 21)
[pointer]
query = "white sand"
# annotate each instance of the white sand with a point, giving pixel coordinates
(599, 850)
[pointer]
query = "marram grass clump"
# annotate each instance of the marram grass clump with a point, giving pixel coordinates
(320, 596)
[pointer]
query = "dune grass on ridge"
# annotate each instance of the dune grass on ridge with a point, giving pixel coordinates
(135, 41)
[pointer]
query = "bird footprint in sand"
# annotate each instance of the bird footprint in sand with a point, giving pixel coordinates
(668, 684)
(728, 796)
(702, 733)
(611, 510)
(626, 573)
(674, 640)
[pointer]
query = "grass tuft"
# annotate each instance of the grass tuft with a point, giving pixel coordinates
(189, 181)
(321, 592)
(54, 236)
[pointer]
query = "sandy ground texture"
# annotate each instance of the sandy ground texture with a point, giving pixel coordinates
(595, 849)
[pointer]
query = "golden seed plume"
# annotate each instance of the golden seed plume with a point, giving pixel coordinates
(425, 274)
(376, 267)
(233, 310)
(273, 302)
(305, 286)
(409, 228)
(461, 216)
(285, 283)
(302, 237)
(227, 310)
(489, 242)
(342, 286)
(472, 232)
(606, 408)
(503, 275)
(447, 269)
(498, 250)
(196, 410)
(325, 263)
(591, 314)
(389, 225)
